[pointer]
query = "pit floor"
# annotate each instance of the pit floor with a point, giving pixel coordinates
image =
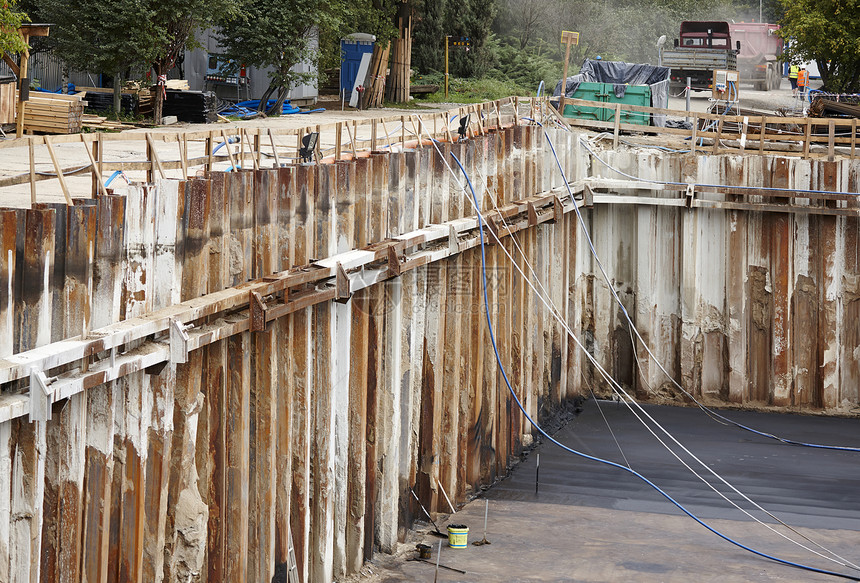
(590, 522)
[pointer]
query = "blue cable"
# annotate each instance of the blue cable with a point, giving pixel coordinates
(539, 88)
(704, 408)
(594, 458)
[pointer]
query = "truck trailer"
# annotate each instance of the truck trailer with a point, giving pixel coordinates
(758, 59)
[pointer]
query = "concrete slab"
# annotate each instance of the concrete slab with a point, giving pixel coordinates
(594, 523)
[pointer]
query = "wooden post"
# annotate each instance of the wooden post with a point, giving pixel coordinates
(98, 184)
(761, 136)
(853, 136)
(337, 140)
(717, 137)
(693, 137)
(617, 125)
(59, 170)
(182, 141)
(274, 149)
(229, 151)
(373, 135)
(154, 161)
(19, 121)
(32, 173)
(806, 138)
(568, 38)
(831, 139)
(258, 150)
(210, 151)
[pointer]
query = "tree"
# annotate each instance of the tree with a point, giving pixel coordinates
(827, 32)
(281, 35)
(277, 34)
(171, 29)
(98, 35)
(10, 19)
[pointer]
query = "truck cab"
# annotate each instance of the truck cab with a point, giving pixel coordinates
(701, 48)
(705, 34)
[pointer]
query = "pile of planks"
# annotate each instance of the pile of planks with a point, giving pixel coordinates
(97, 122)
(375, 80)
(397, 90)
(54, 113)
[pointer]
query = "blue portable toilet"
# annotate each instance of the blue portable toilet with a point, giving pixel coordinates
(352, 48)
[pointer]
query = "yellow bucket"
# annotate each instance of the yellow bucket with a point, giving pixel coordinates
(458, 536)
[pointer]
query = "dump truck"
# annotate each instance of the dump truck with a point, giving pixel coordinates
(702, 48)
(758, 59)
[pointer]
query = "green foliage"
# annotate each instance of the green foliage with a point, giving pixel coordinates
(428, 36)
(526, 67)
(470, 18)
(281, 34)
(465, 90)
(10, 19)
(98, 35)
(273, 33)
(828, 32)
(367, 16)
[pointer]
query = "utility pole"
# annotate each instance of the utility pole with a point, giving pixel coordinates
(446, 67)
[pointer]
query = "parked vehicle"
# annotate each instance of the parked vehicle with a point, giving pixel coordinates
(702, 48)
(758, 59)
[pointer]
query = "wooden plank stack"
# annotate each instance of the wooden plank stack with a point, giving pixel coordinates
(375, 80)
(401, 59)
(97, 122)
(54, 113)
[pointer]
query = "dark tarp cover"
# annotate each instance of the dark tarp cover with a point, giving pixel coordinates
(621, 74)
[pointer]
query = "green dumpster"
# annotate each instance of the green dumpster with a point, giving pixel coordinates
(605, 93)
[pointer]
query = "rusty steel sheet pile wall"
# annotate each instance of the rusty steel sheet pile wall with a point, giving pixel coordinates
(744, 306)
(283, 354)
(200, 465)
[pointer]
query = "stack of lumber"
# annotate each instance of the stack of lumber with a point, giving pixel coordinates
(401, 57)
(54, 113)
(191, 106)
(375, 80)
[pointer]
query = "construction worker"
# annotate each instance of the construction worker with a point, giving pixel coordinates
(802, 81)
(792, 77)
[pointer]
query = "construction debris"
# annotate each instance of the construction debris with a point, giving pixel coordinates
(825, 107)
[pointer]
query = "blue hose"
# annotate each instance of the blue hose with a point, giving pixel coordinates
(594, 458)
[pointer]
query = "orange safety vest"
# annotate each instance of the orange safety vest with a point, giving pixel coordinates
(792, 71)
(803, 78)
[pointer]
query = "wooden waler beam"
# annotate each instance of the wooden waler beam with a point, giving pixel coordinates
(247, 307)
